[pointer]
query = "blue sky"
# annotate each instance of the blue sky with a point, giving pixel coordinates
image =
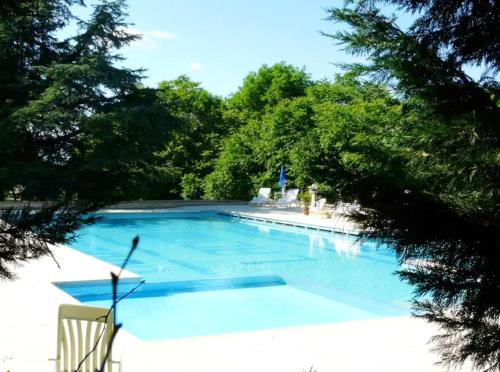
(218, 42)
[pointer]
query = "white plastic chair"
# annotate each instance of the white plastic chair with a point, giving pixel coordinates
(262, 197)
(79, 329)
(319, 206)
(289, 199)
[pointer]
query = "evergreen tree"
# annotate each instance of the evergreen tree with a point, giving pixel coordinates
(75, 129)
(436, 198)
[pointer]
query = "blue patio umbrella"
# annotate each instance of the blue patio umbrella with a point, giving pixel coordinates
(282, 179)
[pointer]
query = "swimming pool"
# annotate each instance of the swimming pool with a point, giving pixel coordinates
(208, 273)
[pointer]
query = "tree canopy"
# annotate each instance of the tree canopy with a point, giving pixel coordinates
(75, 128)
(268, 86)
(438, 201)
(272, 114)
(194, 146)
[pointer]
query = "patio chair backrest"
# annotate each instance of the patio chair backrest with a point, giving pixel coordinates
(79, 329)
(291, 195)
(264, 192)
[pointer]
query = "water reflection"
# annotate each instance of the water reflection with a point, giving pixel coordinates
(347, 247)
(263, 229)
(316, 241)
(343, 245)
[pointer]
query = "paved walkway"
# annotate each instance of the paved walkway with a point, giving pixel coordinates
(291, 216)
(295, 217)
(28, 317)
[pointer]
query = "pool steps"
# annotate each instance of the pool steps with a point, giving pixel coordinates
(343, 229)
(101, 290)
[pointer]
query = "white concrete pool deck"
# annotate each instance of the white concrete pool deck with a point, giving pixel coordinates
(28, 323)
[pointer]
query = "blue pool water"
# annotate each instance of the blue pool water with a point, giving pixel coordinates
(207, 273)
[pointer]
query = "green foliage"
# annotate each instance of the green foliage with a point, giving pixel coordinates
(232, 176)
(77, 131)
(305, 196)
(191, 186)
(466, 32)
(228, 149)
(274, 114)
(357, 136)
(428, 178)
(422, 63)
(331, 127)
(268, 86)
(191, 152)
